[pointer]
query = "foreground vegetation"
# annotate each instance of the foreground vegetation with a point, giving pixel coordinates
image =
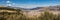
(16, 16)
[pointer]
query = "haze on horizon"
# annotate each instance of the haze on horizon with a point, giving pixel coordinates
(30, 3)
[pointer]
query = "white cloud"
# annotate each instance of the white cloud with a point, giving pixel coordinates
(27, 6)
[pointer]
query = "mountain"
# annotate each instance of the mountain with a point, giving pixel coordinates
(8, 8)
(36, 8)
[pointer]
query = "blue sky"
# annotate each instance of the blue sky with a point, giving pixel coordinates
(31, 3)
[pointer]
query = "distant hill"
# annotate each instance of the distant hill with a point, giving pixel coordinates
(15, 8)
(36, 8)
(9, 10)
(6, 8)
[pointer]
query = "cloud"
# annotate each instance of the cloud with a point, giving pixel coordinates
(27, 5)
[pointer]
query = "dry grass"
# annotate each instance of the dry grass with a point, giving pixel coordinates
(20, 16)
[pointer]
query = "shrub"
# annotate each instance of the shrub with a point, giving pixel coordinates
(49, 16)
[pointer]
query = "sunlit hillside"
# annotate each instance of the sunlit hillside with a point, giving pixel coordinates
(46, 13)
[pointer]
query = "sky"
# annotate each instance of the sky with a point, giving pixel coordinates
(30, 3)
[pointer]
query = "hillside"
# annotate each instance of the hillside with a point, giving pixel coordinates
(10, 13)
(6, 12)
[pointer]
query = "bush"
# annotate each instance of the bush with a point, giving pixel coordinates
(49, 16)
